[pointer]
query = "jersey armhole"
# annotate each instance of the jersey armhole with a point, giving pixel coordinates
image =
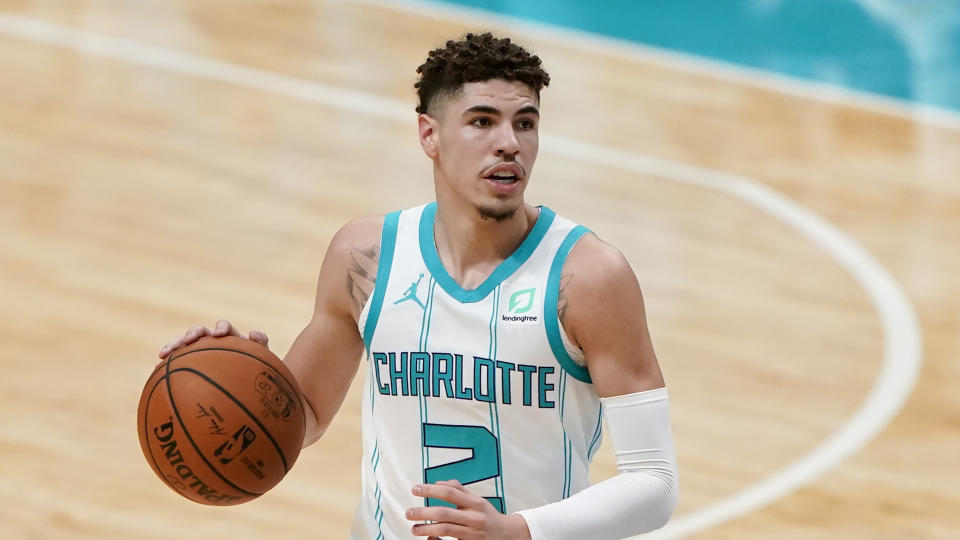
(388, 243)
(551, 319)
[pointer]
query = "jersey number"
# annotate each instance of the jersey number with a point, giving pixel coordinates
(482, 465)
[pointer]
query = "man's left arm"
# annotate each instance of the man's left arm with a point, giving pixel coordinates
(602, 312)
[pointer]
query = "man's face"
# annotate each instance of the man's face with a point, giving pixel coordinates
(485, 144)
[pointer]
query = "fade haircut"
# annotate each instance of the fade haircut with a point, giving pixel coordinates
(475, 58)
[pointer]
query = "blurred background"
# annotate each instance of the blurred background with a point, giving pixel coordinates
(783, 175)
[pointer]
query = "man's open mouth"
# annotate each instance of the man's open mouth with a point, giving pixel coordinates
(504, 173)
(502, 177)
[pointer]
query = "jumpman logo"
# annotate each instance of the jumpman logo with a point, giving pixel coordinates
(411, 294)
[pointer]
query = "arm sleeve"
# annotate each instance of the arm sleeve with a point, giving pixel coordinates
(641, 497)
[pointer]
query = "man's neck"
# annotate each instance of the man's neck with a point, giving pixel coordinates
(471, 247)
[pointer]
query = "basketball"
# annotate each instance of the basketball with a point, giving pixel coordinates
(221, 421)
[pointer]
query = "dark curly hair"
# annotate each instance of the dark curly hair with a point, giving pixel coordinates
(476, 58)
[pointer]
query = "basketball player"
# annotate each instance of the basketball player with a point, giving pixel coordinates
(492, 331)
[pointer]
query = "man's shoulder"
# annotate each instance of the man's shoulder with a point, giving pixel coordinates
(596, 271)
(359, 231)
(365, 231)
(363, 226)
(598, 290)
(595, 258)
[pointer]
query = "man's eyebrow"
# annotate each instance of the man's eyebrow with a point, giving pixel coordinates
(482, 109)
(529, 109)
(487, 109)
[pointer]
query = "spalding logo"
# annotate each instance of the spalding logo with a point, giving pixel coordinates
(182, 476)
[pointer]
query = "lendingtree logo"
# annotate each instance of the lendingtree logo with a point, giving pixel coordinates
(521, 301)
(520, 308)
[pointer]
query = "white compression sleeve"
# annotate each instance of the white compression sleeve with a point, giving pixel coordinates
(639, 499)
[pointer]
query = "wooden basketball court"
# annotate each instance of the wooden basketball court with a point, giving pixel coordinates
(180, 162)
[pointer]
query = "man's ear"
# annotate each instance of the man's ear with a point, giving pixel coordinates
(428, 134)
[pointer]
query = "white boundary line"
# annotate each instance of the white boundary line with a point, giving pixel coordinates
(782, 83)
(902, 352)
(902, 339)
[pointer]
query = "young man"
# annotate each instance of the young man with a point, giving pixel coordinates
(492, 331)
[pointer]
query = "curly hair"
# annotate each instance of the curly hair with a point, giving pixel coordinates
(476, 58)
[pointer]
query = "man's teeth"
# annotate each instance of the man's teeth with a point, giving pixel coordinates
(502, 176)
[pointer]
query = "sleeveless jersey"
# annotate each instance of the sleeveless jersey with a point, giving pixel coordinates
(480, 385)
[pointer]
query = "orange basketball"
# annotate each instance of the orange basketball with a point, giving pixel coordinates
(221, 421)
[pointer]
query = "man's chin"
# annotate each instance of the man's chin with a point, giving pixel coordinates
(497, 212)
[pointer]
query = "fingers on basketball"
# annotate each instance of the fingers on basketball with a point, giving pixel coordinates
(222, 328)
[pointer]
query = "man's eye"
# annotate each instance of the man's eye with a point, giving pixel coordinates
(481, 122)
(525, 124)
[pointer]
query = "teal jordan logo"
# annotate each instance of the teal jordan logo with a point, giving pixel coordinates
(521, 308)
(411, 294)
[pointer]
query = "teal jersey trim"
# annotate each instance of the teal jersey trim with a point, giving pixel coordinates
(388, 242)
(424, 338)
(428, 249)
(494, 410)
(550, 301)
(375, 462)
(566, 455)
(597, 434)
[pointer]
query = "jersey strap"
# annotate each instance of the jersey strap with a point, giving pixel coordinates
(388, 242)
(551, 299)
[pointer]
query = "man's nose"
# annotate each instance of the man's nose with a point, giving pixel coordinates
(507, 143)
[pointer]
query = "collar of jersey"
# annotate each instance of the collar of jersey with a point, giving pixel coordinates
(428, 249)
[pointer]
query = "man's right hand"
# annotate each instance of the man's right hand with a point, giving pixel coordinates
(222, 328)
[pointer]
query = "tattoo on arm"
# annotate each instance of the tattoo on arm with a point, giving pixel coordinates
(562, 298)
(362, 274)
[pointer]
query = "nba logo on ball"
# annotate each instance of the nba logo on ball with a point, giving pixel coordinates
(232, 447)
(522, 308)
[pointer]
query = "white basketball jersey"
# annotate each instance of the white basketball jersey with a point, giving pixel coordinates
(478, 385)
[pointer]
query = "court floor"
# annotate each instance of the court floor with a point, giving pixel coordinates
(171, 163)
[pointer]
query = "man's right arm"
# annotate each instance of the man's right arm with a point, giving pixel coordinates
(326, 355)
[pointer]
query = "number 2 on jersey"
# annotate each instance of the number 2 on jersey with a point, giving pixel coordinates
(482, 465)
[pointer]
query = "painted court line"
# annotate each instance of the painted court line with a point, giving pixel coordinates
(902, 352)
(902, 339)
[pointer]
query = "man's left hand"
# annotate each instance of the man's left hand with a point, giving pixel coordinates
(474, 518)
